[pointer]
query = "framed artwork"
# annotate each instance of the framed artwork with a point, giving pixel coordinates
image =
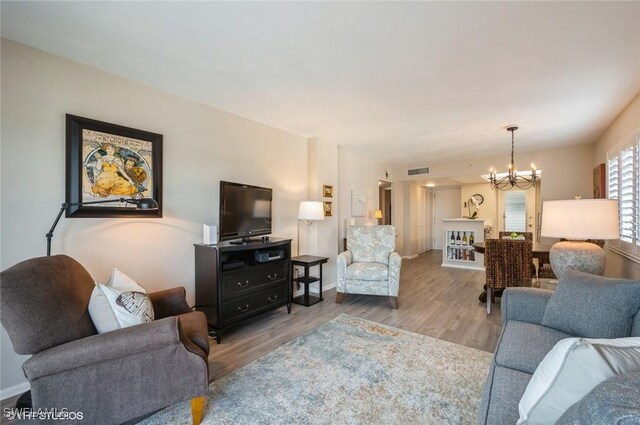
(328, 208)
(107, 161)
(327, 191)
(358, 204)
(599, 182)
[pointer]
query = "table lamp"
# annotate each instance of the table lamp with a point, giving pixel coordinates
(578, 220)
(143, 204)
(378, 215)
(308, 212)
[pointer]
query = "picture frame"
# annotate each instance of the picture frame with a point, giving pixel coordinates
(327, 191)
(358, 203)
(328, 208)
(108, 161)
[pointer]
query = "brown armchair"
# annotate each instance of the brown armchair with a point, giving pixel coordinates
(507, 263)
(112, 377)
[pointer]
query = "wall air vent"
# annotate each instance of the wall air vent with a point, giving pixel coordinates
(418, 171)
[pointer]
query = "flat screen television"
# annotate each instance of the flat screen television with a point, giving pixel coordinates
(245, 211)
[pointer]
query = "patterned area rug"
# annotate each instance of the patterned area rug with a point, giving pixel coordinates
(348, 371)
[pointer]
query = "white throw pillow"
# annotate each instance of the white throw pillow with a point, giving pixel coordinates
(119, 303)
(571, 370)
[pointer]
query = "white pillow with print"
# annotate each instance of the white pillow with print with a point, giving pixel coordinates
(119, 303)
(572, 368)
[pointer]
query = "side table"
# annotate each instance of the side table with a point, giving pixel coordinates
(308, 261)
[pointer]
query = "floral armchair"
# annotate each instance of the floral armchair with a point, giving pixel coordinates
(370, 264)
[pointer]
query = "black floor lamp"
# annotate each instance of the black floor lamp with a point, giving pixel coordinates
(141, 204)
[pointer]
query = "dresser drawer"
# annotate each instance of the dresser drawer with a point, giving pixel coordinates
(239, 308)
(241, 282)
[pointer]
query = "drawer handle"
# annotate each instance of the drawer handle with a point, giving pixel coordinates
(275, 298)
(274, 277)
(243, 309)
(243, 285)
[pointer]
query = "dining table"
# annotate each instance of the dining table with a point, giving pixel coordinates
(541, 252)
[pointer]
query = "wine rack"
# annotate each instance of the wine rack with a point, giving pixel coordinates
(459, 237)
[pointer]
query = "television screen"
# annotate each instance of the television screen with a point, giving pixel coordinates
(245, 211)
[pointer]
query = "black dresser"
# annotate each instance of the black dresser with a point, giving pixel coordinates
(237, 282)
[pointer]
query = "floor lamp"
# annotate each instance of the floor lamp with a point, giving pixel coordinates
(308, 212)
(142, 204)
(578, 220)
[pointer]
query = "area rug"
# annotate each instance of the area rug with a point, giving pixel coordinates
(348, 371)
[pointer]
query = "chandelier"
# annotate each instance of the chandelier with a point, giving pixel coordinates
(512, 178)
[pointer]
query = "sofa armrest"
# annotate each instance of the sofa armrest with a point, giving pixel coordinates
(343, 260)
(395, 262)
(170, 302)
(524, 304)
(100, 348)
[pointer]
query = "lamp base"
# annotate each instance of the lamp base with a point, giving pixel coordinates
(578, 255)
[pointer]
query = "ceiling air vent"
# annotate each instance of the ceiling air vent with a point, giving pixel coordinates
(418, 171)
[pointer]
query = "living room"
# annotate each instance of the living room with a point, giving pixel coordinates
(265, 131)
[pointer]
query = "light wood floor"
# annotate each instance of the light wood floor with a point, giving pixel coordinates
(436, 301)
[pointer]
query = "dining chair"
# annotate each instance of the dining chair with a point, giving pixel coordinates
(508, 263)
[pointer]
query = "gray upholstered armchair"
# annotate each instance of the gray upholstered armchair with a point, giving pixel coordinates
(112, 377)
(370, 264)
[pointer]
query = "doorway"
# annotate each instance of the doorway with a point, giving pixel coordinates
(384, 201)
(446, 204)
(518, 210)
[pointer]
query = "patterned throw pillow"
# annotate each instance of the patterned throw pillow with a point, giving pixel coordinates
(119, 303)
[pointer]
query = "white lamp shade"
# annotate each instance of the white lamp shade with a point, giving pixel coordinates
(311, 211)
(581, 219)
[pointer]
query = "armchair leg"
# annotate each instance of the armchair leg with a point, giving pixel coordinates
(197, 409)
(339, 297)
(394, 302)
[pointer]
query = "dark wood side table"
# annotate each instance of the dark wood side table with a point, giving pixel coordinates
(308, 261)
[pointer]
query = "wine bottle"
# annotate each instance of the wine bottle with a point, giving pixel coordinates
(453, 239)
(471, 238)
(464, 238)
(458, 239)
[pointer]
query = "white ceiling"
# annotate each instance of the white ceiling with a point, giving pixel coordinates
(413, 83)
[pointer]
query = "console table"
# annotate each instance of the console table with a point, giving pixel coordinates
(308, 261)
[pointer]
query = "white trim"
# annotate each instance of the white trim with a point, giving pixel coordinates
(15, 390)
(410, 257)
(624, 253)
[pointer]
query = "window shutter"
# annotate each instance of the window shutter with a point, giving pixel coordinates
(627, 195)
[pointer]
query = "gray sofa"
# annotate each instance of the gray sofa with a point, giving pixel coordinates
(525, 341)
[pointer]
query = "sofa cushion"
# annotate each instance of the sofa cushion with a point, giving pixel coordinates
(614, 401)
(593, 306)
(371, 244)
(502, 396)
(523, 345)
(570, 371)
(368, 271)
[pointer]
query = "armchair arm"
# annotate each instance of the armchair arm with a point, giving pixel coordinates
(524, 304)
(342, 262)
(395, 262)
(100, 348)
(170, 302)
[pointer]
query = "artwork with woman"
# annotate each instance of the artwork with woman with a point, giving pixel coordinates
(115, 166)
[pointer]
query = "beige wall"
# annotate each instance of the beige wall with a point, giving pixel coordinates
(359, 173)
(620, 130)
(202, 145)
(323, 235)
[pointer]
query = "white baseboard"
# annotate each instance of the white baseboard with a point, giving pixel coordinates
(15, 390)
(409, 257)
